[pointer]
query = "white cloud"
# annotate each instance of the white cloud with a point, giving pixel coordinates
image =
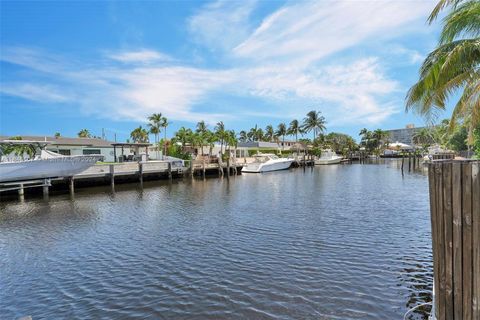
(309, 31)
(282, 62)
(35, 92)
(141, 56)
(346, 93)
(222, 24)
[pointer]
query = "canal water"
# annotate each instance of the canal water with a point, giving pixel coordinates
(333, 242)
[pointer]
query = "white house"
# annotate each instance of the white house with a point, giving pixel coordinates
(85, 146)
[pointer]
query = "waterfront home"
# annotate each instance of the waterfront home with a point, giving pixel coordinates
(89, 146)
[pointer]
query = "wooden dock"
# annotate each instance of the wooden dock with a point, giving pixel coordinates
(104, 174)
(111, 174)
(455, 217)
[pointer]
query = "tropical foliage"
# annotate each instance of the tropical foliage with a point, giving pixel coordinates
(154, 125)
(374, 141)
(18, 149)
(452, 68)
(84, 133)
(476, 141)
(340, 143)
(314, 122)
(139, 135)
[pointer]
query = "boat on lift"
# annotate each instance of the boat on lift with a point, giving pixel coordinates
(41, 165)
(267, 162)
(328, 157)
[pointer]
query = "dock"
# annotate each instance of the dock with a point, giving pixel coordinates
(128, 172)
(110, 174)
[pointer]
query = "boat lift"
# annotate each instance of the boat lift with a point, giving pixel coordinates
(21, 185)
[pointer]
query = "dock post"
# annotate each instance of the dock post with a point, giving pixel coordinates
(45, 191)
(203, 169)
(21, 191)
(71, 185)
(455, 218)
(228, 168)
(112, 175)
(191, 168)
(170, 170)
(140, 172)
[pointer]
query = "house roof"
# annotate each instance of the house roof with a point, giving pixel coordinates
(64, 141)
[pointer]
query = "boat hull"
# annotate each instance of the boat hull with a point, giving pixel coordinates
(45, 168)
(267, 167)
(328, 161)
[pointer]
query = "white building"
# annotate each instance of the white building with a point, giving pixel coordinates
(87, 146)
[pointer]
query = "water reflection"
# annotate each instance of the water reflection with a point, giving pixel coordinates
(332, 242)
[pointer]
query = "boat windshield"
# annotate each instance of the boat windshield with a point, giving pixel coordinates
(265, 157)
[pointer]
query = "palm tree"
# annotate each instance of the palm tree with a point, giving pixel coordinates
(260, 136)
(315, 122)
(242, 136)
(154, 125)
(183, 135)
(281, 132)
(423, 137)
(201, 130)
(367, 140)
(230, 140)
(381, 139)
(294, 129)
(220, 132)
(164, 124)
(139, 135)
(452, 68)
(84, 133)
(210, 140)
(269, 133)
(255, 134)
(201, 127)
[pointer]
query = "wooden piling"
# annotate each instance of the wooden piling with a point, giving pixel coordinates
(45, 191)
(112, 175)
(170, 170)
(203, 169)
(21, 190)
(455, 215)
(140, 172)
(228, 168)
(476, 239)
(71, 184)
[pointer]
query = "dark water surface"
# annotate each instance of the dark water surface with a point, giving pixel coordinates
(335, 242)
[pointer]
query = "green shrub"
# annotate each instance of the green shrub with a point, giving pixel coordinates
(476, 142)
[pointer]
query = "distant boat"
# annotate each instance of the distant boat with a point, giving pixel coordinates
(328, 157)
(47, 165)
(267, 162)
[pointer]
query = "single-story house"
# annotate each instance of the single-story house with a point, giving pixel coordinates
(86, 146)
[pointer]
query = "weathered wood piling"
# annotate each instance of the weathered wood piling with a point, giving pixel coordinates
(454, 187)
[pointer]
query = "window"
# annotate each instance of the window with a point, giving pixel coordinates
(64, 152)
(91, 151)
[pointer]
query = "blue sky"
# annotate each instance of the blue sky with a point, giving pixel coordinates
(70, 65)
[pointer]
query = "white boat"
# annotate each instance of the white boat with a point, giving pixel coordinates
(328, 157)
(47, 165)
(267, 162)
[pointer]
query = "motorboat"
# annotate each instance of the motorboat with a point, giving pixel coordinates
(328, 157)
(46, 165)
(266, 163)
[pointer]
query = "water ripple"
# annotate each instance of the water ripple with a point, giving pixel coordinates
(336, 242)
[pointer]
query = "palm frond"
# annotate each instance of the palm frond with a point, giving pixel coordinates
(462, 22)
(442, 4)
